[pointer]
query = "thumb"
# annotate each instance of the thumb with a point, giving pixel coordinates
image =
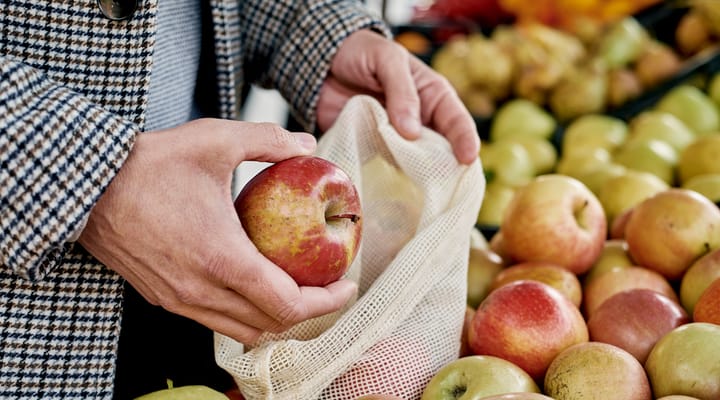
(268, 142)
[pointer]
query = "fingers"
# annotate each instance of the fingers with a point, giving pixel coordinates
(401, 94)
(240, 141)
(444, 111)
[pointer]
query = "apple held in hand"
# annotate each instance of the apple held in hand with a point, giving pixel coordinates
(557, 219)
(304, 215)
(527, 323)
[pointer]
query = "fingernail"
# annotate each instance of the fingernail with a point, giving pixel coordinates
(410, 125)
(305, 140)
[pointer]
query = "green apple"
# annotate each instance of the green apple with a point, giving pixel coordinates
(687, 361)
(542, 153)
(595, 370)
(614, 255)
(475, 377)
(595, 178)
(697, 278)
(497, 197)
(692, 106)
(190, 392)
(707, 185)
(622, 192)
(592, 131)
(579, 162)
(660, 125)
(623, 43)
(713, 89)
(650, 155)
(699, 158)
(506, 162)
(521, 117)
(483, 267)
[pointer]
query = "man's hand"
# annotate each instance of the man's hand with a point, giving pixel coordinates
(167, 224)
(414, 94)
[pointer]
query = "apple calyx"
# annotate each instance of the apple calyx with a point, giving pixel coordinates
(354, 218)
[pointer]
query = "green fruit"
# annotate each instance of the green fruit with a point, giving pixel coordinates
(693, 107)
(190, 392)
(521, 117)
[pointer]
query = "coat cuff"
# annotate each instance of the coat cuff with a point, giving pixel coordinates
(59, 152)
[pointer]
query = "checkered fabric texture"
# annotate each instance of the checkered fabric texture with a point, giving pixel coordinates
(73, 96)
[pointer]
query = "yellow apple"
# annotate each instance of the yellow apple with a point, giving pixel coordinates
(697, 278)
(521, 117)
(550, 274)
(707, 185)
(622, 192)
(699, 158)
(692, 106)
(595, 178)
(651, 155)
(541, 151)
(593, 131)
(614, 255)
(660, 125)
(483, 267)
(506, 162)
(577, 163)
(497, 196)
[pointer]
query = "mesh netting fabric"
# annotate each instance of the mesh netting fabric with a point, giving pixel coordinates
(419, 208)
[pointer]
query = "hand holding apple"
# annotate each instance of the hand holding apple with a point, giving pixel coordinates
(304, 215)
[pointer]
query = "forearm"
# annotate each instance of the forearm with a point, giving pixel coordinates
(294, 52)
(58, 153)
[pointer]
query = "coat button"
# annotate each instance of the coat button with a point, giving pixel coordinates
(117, 9)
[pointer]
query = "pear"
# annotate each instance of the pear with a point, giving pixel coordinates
(692, 106)
(449, 61)
(623, 86)
(494, 76)
(592, 131)
(506, 162)
(693, 33)
(713, 89)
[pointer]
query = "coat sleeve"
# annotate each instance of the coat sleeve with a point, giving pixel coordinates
(58, 153)
(289, 45)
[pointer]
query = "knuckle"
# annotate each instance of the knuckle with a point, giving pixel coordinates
(277, 136)
(291, 313)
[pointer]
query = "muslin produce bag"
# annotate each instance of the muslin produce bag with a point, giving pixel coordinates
(419, 207)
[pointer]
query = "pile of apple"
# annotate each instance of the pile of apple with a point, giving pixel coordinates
(558, 308)
(674, 143)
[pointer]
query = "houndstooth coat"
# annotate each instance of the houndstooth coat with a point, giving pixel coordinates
(73, 94)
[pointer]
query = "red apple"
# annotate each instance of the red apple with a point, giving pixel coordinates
(467, 323)
(707, 308)
(527, 323)
(697, 278)
(595, 370)
(476, 377)
(304, 215)
(551, 274)
(557, 219)
(687, 361)
(670, 230)
(634, 320)
(615, 281)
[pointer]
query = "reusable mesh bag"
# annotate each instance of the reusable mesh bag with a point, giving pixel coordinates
(419, 207)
